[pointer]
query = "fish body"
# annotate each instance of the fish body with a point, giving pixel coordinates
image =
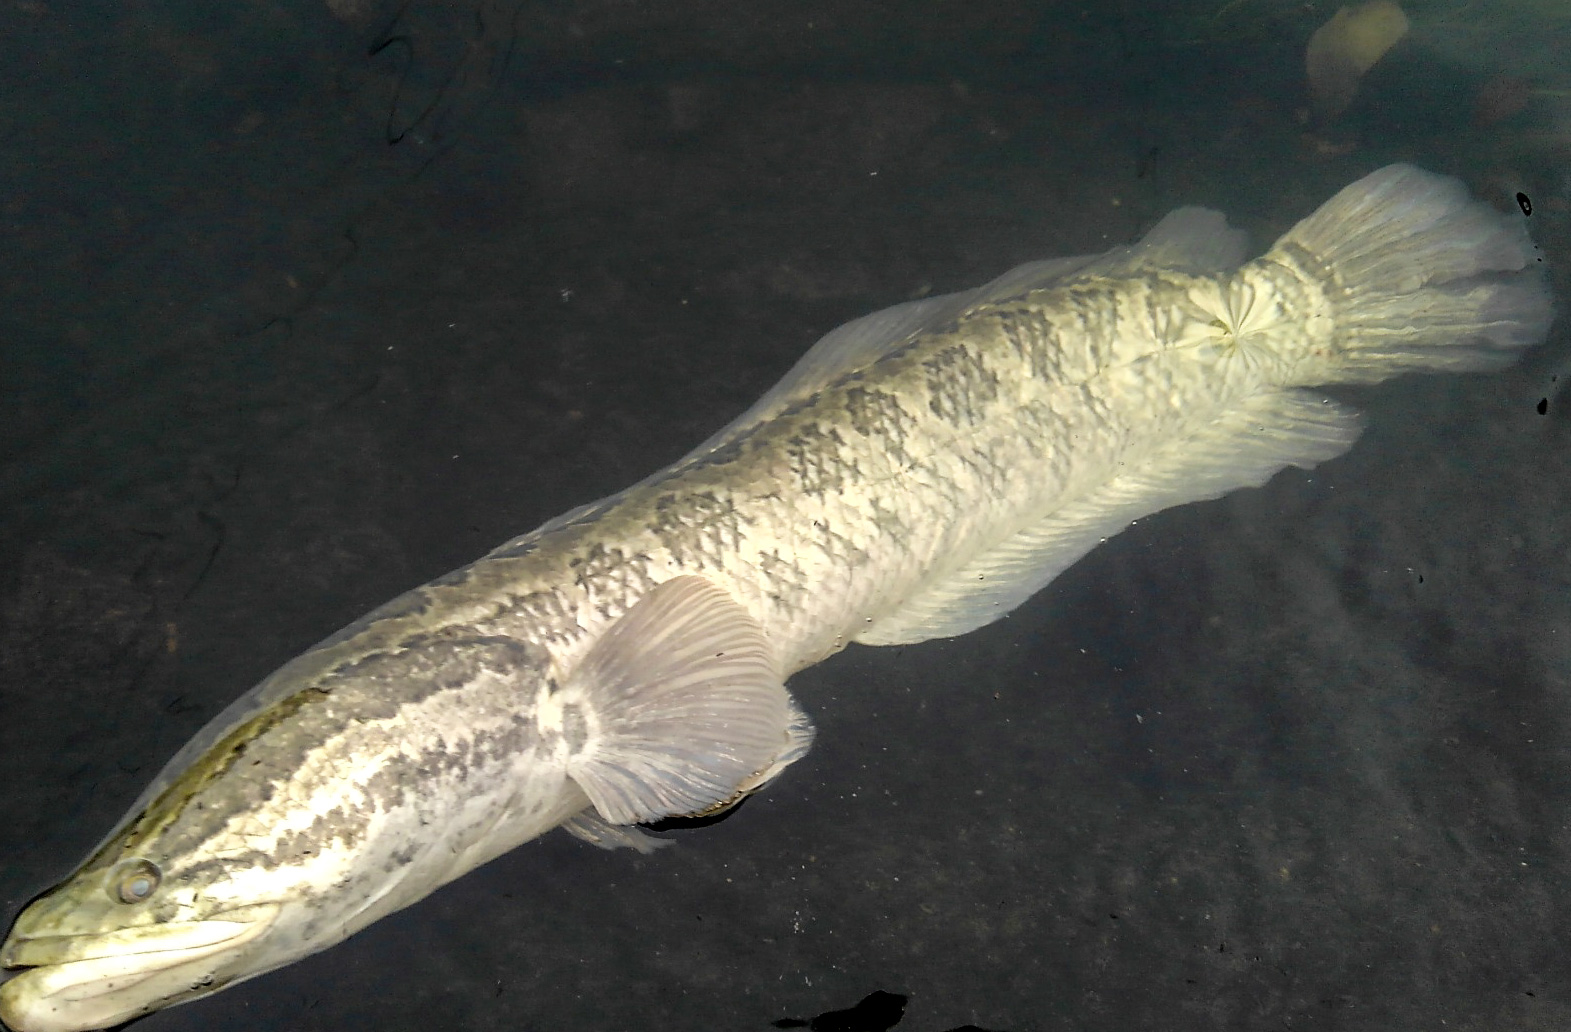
(921, 472)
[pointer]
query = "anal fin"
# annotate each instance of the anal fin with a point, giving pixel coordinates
(1244, 448)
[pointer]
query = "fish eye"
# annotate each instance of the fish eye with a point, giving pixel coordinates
(134, 881)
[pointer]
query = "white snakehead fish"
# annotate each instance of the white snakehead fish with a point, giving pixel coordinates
(921, 472)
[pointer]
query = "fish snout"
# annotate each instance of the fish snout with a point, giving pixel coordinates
(73, 983)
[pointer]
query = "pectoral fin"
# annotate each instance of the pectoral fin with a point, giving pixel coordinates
(798, 739)
(684, 707)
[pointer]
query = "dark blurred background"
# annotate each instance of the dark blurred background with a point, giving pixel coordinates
(306, 303)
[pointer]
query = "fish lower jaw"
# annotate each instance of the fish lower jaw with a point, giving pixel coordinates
(101, 980)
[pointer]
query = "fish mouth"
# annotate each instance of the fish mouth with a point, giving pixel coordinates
(73, 983)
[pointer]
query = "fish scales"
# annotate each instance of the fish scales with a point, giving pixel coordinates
(938, 449)
(967, 412)
(921, 472)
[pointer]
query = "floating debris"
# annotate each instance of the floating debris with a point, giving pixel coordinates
(1346, 47)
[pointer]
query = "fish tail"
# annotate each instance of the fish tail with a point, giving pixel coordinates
(1406, 272)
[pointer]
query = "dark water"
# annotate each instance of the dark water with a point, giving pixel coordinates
(302, 311)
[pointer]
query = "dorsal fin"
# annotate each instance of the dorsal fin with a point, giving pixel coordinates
(1194, 240)
(861, 342)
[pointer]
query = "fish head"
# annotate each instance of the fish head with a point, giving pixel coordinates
(202, 885)
(121, 938)
(305, 817)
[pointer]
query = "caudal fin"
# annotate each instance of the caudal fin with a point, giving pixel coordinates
(1417, 276)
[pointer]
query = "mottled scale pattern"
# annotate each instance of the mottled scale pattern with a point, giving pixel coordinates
(843, 505)
(817, 520)
(410, 746)
(282, 775)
